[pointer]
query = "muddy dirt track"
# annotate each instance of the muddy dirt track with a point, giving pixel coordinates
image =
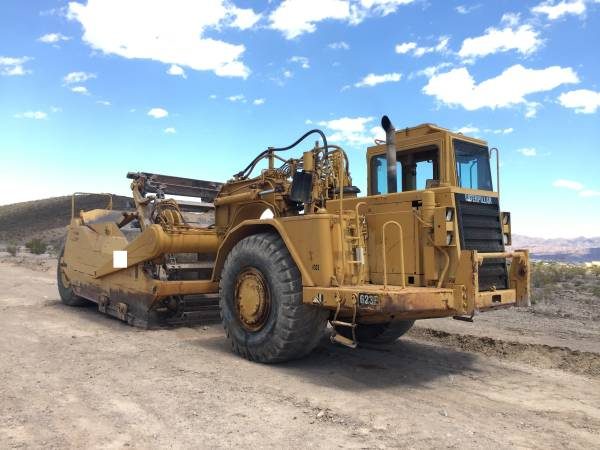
(72, 378)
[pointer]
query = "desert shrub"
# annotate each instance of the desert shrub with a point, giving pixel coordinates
(12, 249)
(37, 246)
(544, 273)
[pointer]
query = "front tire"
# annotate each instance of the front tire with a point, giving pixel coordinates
(261, 302)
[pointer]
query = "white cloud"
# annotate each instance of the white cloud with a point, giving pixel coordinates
(431, 70)
(441, 46)
(237, 98)
(301, 60)
(511, 19)
(36, 115)
(170, 130)
(412, 47)
(373, 79)
(55, 109)
(78, 77)
(13, 66)
(176, 70)
(258, 101)
(341, 45)
(288, 74)
(53, 38)
(468, 129)
(80, 90)
(531, 109)
(457, 87)
(555, 10)
(528, 151)
(464, 9)
(568, 184)
(244, 18)
(524, 39)
(352, 130)
(581, 100)
(589, 193)
(103, 102)
(171, 32)
(212, 96)
(405, 47)
(499, 130)
(158, 113)
(296, 17)
(576, 186)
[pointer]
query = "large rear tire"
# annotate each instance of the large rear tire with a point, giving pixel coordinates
(261, 302)
(379, 333)
(67, 296)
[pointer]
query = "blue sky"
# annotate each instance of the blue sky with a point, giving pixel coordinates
(92, 89)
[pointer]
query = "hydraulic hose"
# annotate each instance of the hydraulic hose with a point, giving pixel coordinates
(244, 173)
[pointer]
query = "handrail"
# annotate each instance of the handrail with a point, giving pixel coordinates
(109, 206)
(499, 255)
(390, 222)
(497, 168)
(361, 243)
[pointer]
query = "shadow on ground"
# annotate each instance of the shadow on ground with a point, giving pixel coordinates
(406, 362)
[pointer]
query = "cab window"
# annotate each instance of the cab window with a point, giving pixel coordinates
(416, 170)
(379, 175)
(472, 165)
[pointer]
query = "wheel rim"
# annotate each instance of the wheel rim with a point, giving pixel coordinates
(252, 299)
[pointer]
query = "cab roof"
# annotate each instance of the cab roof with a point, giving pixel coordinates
(422, 130)
(430, 128)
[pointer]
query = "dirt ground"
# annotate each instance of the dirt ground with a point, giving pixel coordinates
(74, 378)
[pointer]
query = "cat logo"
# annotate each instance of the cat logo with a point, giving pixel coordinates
(478, 199)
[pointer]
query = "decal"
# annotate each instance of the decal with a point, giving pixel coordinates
(368, 299)
(478, 199)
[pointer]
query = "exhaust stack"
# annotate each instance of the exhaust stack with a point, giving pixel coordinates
(390, 142)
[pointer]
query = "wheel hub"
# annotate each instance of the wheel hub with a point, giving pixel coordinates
(252, 299)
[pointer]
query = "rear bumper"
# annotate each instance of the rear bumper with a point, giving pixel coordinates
(376, 303)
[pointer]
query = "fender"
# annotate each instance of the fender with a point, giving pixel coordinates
(254, 226)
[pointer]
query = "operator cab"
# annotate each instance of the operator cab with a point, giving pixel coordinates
(425, 156)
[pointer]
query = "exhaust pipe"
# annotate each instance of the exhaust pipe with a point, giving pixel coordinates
(390, 142)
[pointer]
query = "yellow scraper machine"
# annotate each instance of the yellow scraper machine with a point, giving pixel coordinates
(287, 245)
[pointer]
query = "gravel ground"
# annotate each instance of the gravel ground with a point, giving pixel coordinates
(74, 378)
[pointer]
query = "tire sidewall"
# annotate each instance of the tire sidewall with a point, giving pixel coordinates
(240, 259)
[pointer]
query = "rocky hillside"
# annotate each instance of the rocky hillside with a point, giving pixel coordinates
(46, 219)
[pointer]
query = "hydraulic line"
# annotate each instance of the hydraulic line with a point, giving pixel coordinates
(244, 173)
